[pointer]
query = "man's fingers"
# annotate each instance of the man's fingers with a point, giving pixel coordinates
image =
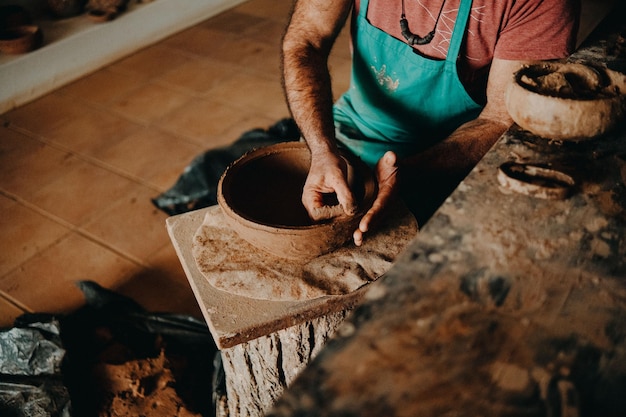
(325, 212)
(327, 194)
(346, 199)
(357, 236)
(386, 174)
(320, 207)
(364, 226)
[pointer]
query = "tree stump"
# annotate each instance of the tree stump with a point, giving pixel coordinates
(258, 371)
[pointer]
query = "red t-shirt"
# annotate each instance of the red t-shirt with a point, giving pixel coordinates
(504, 29)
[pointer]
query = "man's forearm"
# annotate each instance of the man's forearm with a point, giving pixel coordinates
(310, 35)
(309, 96)
(461, 151)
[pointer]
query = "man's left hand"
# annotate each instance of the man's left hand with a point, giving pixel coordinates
(387, 177)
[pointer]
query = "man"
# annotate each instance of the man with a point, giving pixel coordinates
(426, 99)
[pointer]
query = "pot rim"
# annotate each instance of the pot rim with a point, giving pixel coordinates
(616, 78)
(267, 151)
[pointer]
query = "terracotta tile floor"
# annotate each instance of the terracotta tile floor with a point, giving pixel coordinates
(78, 166)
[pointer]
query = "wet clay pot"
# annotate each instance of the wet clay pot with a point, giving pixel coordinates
(260, 196)
(66, 8)
(13, 15)
(105, 10)
(567, 101)
(20, 39)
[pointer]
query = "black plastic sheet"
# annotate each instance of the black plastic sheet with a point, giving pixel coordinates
(31, 357)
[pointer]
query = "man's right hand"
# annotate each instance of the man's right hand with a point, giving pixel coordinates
(326, 181)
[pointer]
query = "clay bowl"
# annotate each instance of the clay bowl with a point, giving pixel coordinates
(13, 15)
(65, 8)
(102, 15)
(569, 101)
(260, 196)
(20, 39)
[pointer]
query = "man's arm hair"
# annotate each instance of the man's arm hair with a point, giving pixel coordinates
(310, 35)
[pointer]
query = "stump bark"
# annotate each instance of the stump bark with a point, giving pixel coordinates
(258, 371)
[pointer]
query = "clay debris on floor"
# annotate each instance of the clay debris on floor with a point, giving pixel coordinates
(111, 358)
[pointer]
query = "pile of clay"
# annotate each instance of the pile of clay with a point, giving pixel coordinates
(109, 358)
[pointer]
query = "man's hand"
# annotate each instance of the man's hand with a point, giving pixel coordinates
(326, 186)
(387, 177)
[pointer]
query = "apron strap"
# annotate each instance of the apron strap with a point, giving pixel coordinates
(458, 34)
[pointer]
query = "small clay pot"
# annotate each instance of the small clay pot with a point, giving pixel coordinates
(13, 15)
(66, 8)
(105, 10)
(20, 39)
(102, 15)
(566, 101)
(260, 196)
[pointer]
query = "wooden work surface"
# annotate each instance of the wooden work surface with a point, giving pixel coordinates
(505, 304)
(236, 316)
(235, 319)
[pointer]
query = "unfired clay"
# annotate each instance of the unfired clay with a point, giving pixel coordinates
(261, 197)
(567, 101)
(535, 181)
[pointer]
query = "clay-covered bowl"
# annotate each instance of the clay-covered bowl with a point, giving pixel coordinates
(260, 196)
(66, 8)
(98, 15)
(567, 101)
(20, 39)
(12, 15)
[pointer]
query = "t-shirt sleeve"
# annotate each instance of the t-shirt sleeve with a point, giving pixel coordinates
(539, 30)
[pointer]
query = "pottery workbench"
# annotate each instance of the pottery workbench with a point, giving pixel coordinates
(505, 305)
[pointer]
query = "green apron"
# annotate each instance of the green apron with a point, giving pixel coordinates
(399, 100)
